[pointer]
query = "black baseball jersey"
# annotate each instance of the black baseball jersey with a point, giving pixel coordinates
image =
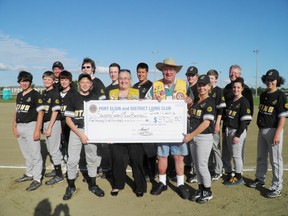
(205, 110)
(217, 94)
(65, 100)
(272, 107)
(193, 92)
(75, 107)
(51, 103)
(109, 88)
(238, 115)
(98, 88)
(28, 106)
(247, 93)
(143, 89)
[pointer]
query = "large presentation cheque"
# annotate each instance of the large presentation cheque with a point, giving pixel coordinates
(131, 121)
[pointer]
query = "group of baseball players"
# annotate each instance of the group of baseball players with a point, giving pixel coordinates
(58, 114)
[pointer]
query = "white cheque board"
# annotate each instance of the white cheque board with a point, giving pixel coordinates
(131, 121)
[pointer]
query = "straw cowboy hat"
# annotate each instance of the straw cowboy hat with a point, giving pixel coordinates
(168, 62)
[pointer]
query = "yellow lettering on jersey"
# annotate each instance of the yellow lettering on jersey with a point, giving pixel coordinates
(63, 108)
(27, 107)
(78, 113)
(199, 112)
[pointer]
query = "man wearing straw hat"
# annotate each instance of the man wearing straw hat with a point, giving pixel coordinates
(170, 88)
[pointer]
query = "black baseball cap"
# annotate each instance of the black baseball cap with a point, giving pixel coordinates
(272, 75)
(58, 64)
(192, 70)
(203, 79)
(81, 76)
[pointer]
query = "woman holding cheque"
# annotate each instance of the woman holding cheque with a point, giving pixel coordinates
(202, 116)
(122, 153)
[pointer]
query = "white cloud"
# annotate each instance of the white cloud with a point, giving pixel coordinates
(18, 55)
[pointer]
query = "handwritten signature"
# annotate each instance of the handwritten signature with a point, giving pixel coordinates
(145, 131)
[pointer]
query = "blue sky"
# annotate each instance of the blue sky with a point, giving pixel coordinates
(207, 34)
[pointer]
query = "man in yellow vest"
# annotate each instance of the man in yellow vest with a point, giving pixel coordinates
(170, 88)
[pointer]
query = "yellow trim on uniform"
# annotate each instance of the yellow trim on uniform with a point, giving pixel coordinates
(179, 92)
(133, 94)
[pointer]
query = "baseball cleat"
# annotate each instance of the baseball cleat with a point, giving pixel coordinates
(256, 183)
(273, 194)
(97, 191)
(24, 178)
(34, 185)
(69, 193)
(54, 180)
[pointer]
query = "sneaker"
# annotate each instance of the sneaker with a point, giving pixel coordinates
(69, 193)
(195, 196)
(233, 181)
(34, 185)
(97, 191)
(182, 191)
(256, 183)
(54, 180)
(24, 178)
(205, 197)
(273, 193)
(158, 189)
(192, 179)
(216, 177)
(51, 174)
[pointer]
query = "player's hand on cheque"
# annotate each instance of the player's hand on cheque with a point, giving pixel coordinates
(187, 138)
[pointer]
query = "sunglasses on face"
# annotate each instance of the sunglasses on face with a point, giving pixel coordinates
(83, 67)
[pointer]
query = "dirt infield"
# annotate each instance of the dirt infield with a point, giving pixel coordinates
(47, 200)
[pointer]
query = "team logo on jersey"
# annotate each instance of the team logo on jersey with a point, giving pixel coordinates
(274, 102)
(198, 113)
(223, 99)
(286, 105)
(179, 96)
(57, 101)
(209, 109)
(214, 95)
(29, 99)
(202, 105)
(238, 106)
(49, 100)
(248, 111)
(102, 91)
(93, 108)
(40, 101)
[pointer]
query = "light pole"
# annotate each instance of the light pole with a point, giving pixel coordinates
(256, 52)
(155, 52)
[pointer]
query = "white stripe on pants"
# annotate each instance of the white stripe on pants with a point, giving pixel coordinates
(30, 149)
(74, 150)
(201, 147)
(265, 147)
